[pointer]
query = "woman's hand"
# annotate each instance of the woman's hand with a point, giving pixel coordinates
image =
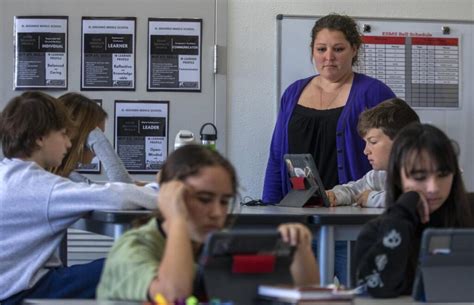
(172, 198)
(423, 209)
(332, 198)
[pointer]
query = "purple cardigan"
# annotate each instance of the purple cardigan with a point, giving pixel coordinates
(352, 164)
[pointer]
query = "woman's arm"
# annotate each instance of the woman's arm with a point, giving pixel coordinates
(304, 268)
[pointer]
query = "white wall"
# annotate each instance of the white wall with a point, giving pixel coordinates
(252, 66)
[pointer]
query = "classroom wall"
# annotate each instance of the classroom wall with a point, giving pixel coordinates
(252, 66)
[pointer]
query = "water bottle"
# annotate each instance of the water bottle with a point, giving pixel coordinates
(183, 137)
(208, 139)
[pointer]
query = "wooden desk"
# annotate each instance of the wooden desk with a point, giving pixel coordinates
(328, 225)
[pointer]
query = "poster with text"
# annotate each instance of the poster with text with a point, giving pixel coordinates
(40, 52)
(94, 166)
(141, 134)
(108, 53)
(174, 54)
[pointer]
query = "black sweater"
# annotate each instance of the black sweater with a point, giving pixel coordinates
(387, 248)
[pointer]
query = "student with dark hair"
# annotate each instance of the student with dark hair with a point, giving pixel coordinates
(198, 187)
(378, 127)
(424, 189)
(37, 207)
(88, 140)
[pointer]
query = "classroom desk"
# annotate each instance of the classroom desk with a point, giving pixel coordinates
(328, 225)
(357, 301)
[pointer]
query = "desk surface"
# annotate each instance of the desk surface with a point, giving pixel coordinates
(347, 215)
(357, 301)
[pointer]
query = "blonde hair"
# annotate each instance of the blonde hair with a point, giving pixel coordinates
(86, 116)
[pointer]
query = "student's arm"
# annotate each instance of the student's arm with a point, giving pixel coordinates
(175, 275)
(384, 249)
(349, 193)
(113, 165)
(304, 268)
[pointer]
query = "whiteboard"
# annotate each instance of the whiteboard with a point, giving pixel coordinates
(454, 117)
(187, 110)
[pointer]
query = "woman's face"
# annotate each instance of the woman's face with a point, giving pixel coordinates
(425, 178)
(333, 54)
(209, 201)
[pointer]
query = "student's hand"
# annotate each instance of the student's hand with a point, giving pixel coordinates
(362, 198)
(422, 206)
(172, 200)
(332, 198)
(423, 209)
(296, 234)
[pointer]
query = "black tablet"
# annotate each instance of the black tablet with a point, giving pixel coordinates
(306, 186)
(446, 266)
(235, 262)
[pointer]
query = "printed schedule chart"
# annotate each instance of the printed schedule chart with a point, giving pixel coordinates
(422, 70)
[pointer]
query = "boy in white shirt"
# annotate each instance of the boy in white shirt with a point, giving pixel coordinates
(37, 207)
(378, 127)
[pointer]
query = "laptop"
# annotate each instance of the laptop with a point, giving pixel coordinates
(234, 263)
(446, 266)
(306, 186)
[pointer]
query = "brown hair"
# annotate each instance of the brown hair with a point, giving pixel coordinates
(28, 117)
(341, 23)
(86, 115)
(391, 116)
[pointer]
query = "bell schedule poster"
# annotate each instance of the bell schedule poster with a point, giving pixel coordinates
(40, 52)
(108, 53)
(141, 134)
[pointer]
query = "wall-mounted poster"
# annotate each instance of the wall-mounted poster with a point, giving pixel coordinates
(94, 166)
(174, 54)
(40, 52)
(108, 53)
(141, 134)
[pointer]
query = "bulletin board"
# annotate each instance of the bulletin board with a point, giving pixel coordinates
(187, 109)
(428, 63)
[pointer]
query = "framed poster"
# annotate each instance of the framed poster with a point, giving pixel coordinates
(141, 134)
(174, 54)
(40, 52)
(94, 167)
(108, 53)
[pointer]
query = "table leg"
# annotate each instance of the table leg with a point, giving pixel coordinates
(326, 254)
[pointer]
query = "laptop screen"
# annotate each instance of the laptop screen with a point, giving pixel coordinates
(234, 263)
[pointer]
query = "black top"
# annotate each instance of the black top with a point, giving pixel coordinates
(313, 131)
(386, 252)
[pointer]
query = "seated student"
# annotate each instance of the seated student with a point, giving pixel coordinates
(197, 189)
(36, 206)
(424, 189)
(377, 126)
(89, 140)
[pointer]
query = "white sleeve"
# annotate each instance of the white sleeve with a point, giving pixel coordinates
(346, 193)
(113, 165)
(68, 200)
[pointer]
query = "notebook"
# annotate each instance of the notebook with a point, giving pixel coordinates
(446, 266)
(234, 263)
(306, 186)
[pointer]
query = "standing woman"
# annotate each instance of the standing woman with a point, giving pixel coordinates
(89, 140)
(319, 114)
